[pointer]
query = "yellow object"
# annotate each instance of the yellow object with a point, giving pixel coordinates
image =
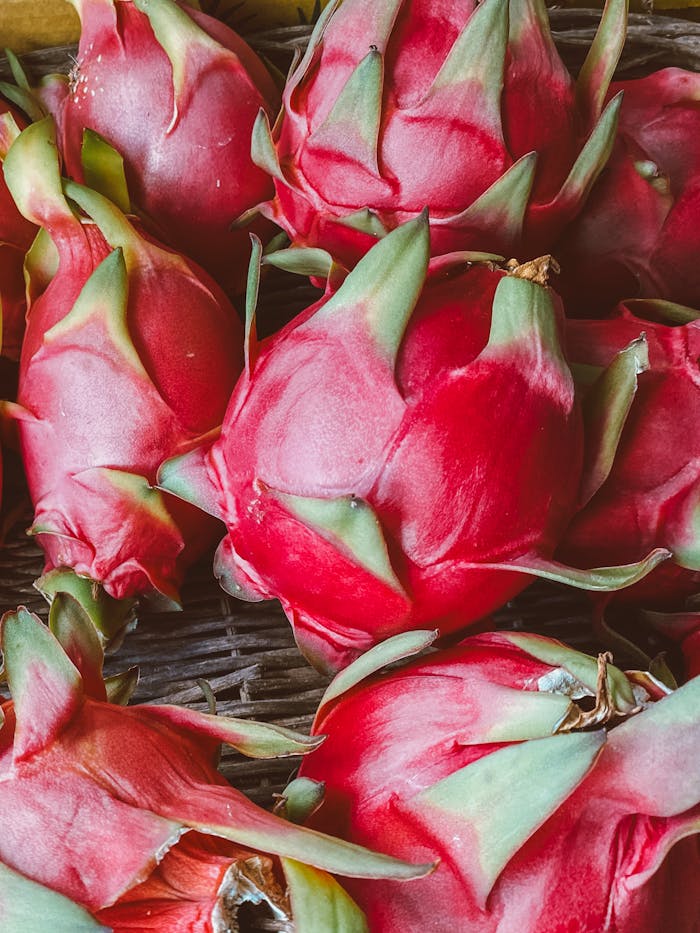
(37, 24)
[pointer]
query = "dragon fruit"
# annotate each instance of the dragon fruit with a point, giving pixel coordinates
(397, 436)
(16, 235)
(97, 798)
(465, 108)
(637, 236)
(652, 492)
(535, 774)
(130, 356)
(176, 93)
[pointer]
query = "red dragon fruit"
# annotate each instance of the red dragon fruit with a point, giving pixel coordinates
(16, 235)
(405, 453)
(176, 93)
(651, 495)
(546, 817)
(638, 235)
(97, 798)
(130, 355)
(465, 108)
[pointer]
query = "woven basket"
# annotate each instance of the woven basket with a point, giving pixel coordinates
(246, 651)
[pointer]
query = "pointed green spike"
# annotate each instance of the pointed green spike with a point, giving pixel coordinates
(494, 805)
(605, 410)
(45, 685)
(254, 739)
(476, 63)
(109, 616)
(187, 477)
(351, 525)
(17, 70)
(523, 316)
(76, 634)
(301, 797)
(40, 265)
(526, 17)
(9, 131)
(319, 904)
(583, 667)
(386, 652)
(503, 205)
(24, 99)
(596, 74)
(103, 168)
(385, 285)
(297, 74)
(262, 148)
(33, 175)
(592, 159)
(354, 120)
(663, 739)
(104, 296)
(120, 687)
(250, 342)
(177, 33)
(668, 311)
(366, 221)
(113, 225)
(27, 907)
(597, 579)
(301, 260)
(246, 824)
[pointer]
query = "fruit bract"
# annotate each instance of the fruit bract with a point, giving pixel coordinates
(95, 796)
(176, 92)
(464, 108)
(130, 355)
(651, 496)
(637, 235)
(542, 819)
(16, 235)
(385, 460)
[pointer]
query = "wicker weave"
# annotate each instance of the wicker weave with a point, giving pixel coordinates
(246, 652)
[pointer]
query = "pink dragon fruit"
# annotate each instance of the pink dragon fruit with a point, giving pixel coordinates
(397, 436)
(545, 817)
(97, 798)
(464, 108)
(637, 236)
(177, 93)
(651, 495)
(130, 355)
(16, 235)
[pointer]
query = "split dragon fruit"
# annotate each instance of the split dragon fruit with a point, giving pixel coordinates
(130, 356)
(465, 108)
(386, 460)
(559, 794)
(176, 92)
(638, 234)
(109, 807)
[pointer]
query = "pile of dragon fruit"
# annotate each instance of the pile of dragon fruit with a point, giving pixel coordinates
(499, 381)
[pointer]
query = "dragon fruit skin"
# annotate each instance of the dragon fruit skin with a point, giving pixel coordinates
(95, 796)
(457, 758)
(481, 94)
(176, 93)
(396, 436)
(130, 355)
(637, 236)
(16, 235)
(650, 497)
